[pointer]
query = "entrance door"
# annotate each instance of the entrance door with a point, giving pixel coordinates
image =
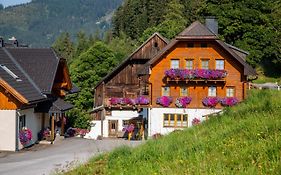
(112, 128)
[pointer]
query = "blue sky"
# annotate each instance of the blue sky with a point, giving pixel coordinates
(12, 2)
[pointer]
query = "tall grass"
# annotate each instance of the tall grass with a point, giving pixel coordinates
(245, 139)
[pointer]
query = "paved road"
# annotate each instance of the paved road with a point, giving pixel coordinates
(46, 159)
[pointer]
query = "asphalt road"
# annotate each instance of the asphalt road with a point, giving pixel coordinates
(64, 154)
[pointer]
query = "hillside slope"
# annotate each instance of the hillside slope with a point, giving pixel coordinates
(39, 23)
(246, 139)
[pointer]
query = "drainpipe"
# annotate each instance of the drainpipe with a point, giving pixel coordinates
(17, 129)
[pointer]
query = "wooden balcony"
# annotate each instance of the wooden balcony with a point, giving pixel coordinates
(108, 104)
(196, 80)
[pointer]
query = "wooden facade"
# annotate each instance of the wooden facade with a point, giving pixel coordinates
(123, 81)
(197, 89)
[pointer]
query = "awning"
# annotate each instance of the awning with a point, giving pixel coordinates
(60, 106)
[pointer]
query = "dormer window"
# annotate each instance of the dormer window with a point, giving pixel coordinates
(12, 74)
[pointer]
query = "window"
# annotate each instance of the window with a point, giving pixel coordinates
(190, 45)
(189, 64)
(183, 91)
(212, 91)
(22, 121)
(205, 64)
(175, 63)
(204, 45)
(5, 68)
(230, 91)
(220, 64)
(175, 120)
(165, 91)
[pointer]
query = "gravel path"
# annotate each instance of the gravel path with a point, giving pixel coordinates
(47, 159)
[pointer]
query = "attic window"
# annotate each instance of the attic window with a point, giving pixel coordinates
(5, 68)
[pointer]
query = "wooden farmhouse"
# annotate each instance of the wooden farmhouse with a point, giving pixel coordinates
(194, 75)
(123, 82)
(33, 83)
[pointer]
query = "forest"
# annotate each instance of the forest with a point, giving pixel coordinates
(252, 25)
(40, 22)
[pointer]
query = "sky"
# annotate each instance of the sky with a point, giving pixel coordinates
(13, 2)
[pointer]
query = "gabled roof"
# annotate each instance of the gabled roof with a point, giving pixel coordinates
(22, 87)
(129, 58)
(196, 30)
(40, 64)
(203, 33)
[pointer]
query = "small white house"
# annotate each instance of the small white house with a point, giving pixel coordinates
(32, 83)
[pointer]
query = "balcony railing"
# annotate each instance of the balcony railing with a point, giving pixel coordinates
(117, 102)
(195, 75)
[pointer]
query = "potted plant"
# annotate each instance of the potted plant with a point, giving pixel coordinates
(210, 101)
(182, 102)
(229, 101)
(141, 100)
(25, 136)
(164, 101)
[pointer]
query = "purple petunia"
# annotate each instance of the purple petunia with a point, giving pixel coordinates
(164, 101)
(25, 136)
(229, 101)
(141, 100)
(210, 101)
(182, 102)
(196, 73)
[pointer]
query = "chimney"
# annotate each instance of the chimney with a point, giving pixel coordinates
(2, 42)
(14, 41)
(211, 23)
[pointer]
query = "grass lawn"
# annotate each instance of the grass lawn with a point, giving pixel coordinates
(246, 139)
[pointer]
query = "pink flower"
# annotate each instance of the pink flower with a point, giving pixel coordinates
(164, 101)
(210, 101)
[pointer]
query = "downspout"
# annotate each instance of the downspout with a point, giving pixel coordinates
(17, 130)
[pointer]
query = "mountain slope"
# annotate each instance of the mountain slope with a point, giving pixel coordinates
(244, 140)
(39, 23)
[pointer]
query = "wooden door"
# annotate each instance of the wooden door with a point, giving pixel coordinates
(112, 128)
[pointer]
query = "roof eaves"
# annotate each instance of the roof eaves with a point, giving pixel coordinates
(55, 73)
(130, 56)
(248, 70)
(238, 49)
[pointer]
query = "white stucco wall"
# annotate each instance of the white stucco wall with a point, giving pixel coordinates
(95, 130)
(8, 130)
(119, 115)
(155, 119)
(33, 122)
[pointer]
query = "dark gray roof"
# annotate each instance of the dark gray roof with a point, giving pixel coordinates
(40, 64)
(23, 85)
(60, 106)
(196, 30)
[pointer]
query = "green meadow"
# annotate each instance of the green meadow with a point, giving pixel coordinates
(245, 139)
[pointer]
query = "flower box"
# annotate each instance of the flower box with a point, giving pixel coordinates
(182, 102)
(186, 74)
(164, 101)
(141, 100)
(229, 101)
(210, 101)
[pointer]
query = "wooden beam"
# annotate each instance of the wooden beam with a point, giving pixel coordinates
(53, 127)
(62, 124)
(12, 91)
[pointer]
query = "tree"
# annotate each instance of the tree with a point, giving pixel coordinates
(86, 71)
(64, 46)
